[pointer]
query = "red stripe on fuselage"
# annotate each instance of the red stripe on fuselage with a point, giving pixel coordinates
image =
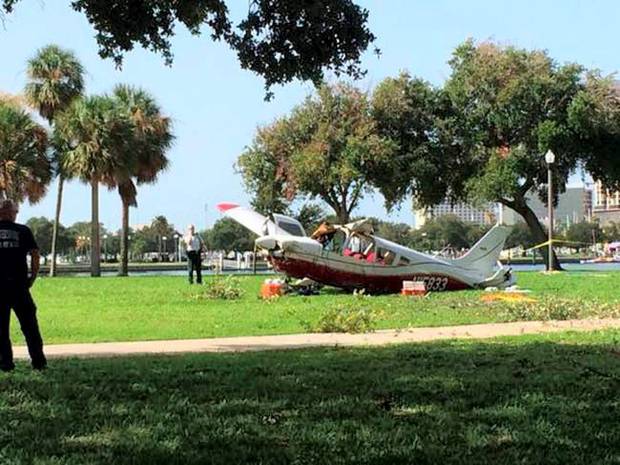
(350, 280)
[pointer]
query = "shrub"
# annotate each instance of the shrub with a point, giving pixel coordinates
(346, 318)
(560, 309)
(226, 288)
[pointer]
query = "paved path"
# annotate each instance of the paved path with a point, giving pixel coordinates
(298, 341)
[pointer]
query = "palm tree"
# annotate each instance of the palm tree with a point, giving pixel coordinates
(94, 136)
(25, 169)
(152, 137)
(55, 79)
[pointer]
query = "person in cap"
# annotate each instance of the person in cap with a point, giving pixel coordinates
(194, 246)
(16, 243)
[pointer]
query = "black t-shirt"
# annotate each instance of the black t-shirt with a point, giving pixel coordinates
(16, 240)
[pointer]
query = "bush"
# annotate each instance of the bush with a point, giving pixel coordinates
(225, 288)
(346, 318)
(560, 309)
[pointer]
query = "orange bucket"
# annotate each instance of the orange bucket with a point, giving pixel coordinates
(269, 290)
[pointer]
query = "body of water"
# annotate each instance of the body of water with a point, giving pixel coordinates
(571, 267)
(515, 267)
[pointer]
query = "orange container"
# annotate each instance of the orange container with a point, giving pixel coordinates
(269, 290)
(414, 288)
(413, 292)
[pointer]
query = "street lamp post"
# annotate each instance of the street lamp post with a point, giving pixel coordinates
(105, 248)
(550, 159)
(176, 248)
(164, 239)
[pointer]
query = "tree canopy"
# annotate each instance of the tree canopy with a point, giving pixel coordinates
(326, 149)
(25, 168)
(279, 40)
(407, 111)
(55, 79)
(483, 135)
(42, 229)
(228, 235)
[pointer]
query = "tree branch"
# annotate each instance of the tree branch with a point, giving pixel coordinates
(355, 197)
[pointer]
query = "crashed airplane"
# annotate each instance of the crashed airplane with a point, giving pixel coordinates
(352, 257)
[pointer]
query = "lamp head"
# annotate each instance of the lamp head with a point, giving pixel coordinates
(549, 157)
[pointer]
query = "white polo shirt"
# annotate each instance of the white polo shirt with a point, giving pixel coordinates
(192, 243)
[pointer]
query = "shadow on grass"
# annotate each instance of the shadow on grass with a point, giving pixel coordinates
(445, 403)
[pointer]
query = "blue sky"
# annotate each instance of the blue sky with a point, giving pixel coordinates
(216, 106)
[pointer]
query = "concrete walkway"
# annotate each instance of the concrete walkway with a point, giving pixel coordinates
(298, 341)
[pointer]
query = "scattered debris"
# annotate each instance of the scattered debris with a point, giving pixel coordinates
(272, 288)
(506, 297)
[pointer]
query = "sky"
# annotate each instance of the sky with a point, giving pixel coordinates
(216, 106)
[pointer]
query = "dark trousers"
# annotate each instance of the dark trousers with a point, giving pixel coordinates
(22, 304)
(194, 262)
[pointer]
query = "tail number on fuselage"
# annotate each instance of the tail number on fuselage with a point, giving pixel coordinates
(433, 283)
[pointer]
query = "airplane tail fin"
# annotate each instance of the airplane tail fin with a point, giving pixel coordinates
(484, 255)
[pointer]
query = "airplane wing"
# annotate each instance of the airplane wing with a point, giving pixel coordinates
(260, 225)
(255, 222)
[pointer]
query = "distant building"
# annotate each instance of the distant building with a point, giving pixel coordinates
(574, 206)
(607, 206)
(464, 212)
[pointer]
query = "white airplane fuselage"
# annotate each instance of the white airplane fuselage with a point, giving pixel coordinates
(296, 255)
(305, 258)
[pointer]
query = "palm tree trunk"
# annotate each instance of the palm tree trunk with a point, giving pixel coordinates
(61, 182)
(123, 269)
(95, 245)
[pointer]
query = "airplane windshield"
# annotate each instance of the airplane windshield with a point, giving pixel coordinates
(291, 228)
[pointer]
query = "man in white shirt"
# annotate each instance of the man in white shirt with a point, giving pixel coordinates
(194, 246)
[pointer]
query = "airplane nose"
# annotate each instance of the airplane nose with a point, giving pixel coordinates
(266, 242)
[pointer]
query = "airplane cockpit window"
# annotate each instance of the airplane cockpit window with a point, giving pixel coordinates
(291, 228)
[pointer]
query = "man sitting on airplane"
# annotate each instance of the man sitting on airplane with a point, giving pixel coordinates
(324, 235)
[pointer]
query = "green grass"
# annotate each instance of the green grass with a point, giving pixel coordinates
(535, 399)
(151, 308)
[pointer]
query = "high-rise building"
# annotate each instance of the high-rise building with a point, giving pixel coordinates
(574, 206)
(607, 206)
(464, 212)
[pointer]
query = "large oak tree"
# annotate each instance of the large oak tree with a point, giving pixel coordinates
(325, 148)
(498, 113)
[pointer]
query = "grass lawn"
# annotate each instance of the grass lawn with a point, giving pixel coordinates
(533, 399)
(76, 309)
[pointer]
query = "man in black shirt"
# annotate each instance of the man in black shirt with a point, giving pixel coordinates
(16, 242)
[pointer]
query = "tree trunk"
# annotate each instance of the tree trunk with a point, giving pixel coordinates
(61, 182)
(123, 269)
(537, 230)
(343, 216)
(95, 243)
